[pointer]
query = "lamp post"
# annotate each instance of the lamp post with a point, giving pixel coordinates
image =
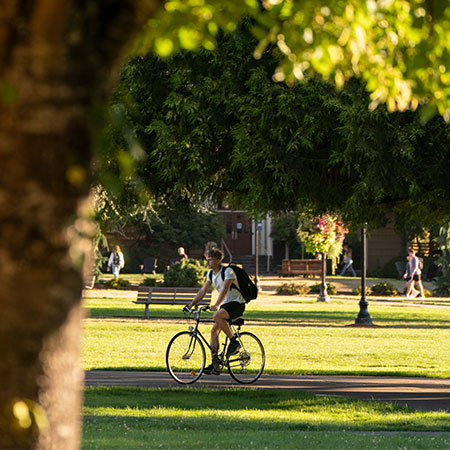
(258, 229)
(363, 317)
(323, 294)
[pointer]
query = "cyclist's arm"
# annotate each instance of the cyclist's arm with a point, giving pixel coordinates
(201, 293)
(223, 292)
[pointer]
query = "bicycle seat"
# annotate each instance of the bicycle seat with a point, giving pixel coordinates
(238, 321)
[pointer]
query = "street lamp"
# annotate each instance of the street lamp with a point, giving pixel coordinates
(258, 229)
(363, 317)
(323, 294)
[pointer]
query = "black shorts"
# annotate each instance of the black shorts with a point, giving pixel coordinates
(416, 277)
(234, 309)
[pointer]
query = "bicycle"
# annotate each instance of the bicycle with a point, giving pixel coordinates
(186, 356)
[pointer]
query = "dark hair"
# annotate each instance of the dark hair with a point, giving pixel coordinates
(215, 253)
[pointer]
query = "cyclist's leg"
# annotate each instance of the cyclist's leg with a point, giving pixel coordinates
(221, 318)
(215, 367)
(215, 331)
(233, 310)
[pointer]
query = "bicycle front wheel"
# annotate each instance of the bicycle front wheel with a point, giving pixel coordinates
(185, 357)
(248, 364)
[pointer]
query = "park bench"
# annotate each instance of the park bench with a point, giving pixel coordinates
(148, 295)
(305, 267)
(89, 281)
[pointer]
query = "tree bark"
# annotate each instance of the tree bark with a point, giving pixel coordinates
(56, 60)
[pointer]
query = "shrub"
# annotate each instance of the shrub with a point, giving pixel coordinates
(149, 281)
(357, 291)
(188, 273)
(384, 289)
(293, 289)
(315, 289)
(117, 283)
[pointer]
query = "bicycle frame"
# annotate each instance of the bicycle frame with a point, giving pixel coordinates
(196, 332)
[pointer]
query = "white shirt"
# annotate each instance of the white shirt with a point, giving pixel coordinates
(121, 259)
(233, 295)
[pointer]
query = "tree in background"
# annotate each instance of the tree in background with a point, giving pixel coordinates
(399, 48)
(284, 229)
(443, 241)
(214, 125)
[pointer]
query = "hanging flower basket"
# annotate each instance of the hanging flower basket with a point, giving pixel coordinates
(323, 233)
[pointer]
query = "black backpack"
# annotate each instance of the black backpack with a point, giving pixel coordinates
(246, 287)
(116, 259)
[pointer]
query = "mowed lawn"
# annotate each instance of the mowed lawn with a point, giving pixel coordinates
(300, 336)
(133, 418)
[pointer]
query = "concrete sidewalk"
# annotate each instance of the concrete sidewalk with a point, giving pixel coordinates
(429, 394)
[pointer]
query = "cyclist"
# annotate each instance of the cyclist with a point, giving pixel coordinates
(229, 305)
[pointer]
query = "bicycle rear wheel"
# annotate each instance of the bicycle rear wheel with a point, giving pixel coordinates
(185, 357)
(248, 364)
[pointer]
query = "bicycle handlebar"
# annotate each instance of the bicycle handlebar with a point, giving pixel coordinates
(188, 310)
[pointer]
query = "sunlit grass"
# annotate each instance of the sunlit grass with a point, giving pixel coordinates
(204, 418)
(402, 351)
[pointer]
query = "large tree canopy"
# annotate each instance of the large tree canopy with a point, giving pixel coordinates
(214, 124)
(399, 48)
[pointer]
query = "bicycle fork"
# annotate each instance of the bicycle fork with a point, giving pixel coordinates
(191, 348)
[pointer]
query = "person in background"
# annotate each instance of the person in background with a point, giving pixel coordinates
(413, 275)
(348, 261)
(182, 254)
(116, 261)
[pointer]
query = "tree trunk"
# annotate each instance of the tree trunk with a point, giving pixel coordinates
(55, 57)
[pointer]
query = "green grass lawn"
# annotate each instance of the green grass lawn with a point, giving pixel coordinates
(203, 418)
(300, 337)
(287, 309)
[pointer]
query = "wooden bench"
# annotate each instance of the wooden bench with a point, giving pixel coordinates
(148, 295)
(89, 282)
(305, 267)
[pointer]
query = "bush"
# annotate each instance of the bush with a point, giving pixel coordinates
(293, 289)
(151, 282)
(315, 289)
(188, 273)
(357, 291)
(117, 283)
(384, 289)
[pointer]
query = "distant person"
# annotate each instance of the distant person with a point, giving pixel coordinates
(116, 261)
(413, 275)
(348, 262)
(181, 256)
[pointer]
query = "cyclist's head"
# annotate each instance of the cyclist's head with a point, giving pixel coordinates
(215, 253)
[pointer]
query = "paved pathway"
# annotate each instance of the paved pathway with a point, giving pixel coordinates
(422, 393)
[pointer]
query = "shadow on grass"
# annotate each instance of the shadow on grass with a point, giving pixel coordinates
(254, 409)
(289, 317)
